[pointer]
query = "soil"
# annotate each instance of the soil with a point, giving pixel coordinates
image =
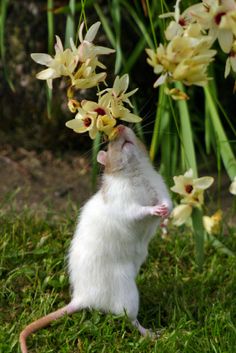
(45, 181)
(42, 181)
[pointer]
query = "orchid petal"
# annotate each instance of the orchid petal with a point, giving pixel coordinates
(233, 63)
(180, 214)
(58, 45)
(72, 45)
(225, 39)
(232, 188)
(129, 117)
(77, 125)
(160, 80)
(91, 34)
(189, 173)
(227, 68)
(81, 32)
(203, 183)
(41, 58)
(46, 74)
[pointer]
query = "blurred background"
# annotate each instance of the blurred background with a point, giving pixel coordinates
(44, 163)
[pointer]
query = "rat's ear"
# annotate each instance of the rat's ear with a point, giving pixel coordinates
(102, 157)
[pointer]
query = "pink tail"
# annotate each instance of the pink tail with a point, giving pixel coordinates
(43, 322)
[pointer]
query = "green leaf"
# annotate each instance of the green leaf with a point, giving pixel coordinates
(144, 30)
(116, 19)
(95, 149)
(161, 106)
(50, 21)
(105, 24)
(199, 236)
(226, 152)
(218, 245)
(3, 13)
(186, 134)
(70, 23)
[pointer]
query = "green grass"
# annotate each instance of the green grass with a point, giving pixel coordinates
(197, 311)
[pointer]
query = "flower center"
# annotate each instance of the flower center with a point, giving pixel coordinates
(100, 111)
(218, 17)
(182, 22)
(188, 189)
(87, 122)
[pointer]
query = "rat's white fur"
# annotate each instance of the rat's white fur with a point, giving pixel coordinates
(111, 240)
(112, 236)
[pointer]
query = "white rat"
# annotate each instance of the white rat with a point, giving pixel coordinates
(113, 232)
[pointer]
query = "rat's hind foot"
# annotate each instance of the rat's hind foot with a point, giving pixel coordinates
(146, 332)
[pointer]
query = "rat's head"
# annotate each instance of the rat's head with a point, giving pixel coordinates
(122, 152)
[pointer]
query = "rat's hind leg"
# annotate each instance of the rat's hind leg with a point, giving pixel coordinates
(142, 330)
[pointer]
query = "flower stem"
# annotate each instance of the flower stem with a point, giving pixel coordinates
(199, 235)
(159, 114)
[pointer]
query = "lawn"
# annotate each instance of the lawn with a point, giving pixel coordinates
(196, 312)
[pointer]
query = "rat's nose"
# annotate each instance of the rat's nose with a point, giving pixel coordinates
(120, 129)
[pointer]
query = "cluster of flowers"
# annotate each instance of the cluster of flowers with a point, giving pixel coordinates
(78, 65)
(191, 191)
(190, 36)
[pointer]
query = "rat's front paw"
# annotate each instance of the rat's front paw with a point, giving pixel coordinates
(160, 210)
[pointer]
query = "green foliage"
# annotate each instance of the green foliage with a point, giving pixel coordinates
(195, 311)
(199, 232)
(3, 14)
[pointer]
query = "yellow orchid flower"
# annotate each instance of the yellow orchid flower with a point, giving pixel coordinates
(181, 21)
(78, 63)
(231, 60)
(176, 94)
(87, 50)
(213, 224)
(118, 92)
(180, 214)
(218, 17)
(185, 58)
(62, 64)
(83, 123)
(232, 188)
(115, 97)
(191, 189)
(106, 124)
(73, 105)
(92, 117)
(86, 77)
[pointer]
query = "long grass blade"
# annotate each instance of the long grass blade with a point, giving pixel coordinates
(150, 15)
(95, 149)
(116, 19)
(143, 29)
(105, 24)
(50, 22)
(159, 113)
(199, 236)
(166, 147)
(3, 13)
(70, 23)
(186, 134)
(133, 57)
(226, 152)
(218, 245)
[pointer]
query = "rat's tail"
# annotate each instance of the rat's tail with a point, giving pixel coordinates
(43, 322)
